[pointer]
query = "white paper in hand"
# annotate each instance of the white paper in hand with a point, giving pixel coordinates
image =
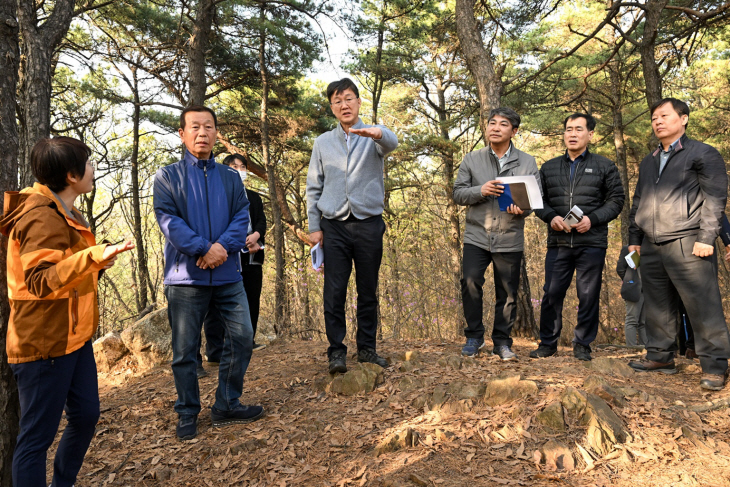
(317, 256)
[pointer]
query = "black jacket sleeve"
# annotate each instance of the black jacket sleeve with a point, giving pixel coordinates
(547, 213)
(614, 202)
(713, 183)
(258, 217)
(622, 265)
(725, 230)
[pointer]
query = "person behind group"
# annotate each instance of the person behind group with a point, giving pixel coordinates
(592, 183)
(675, 218)
(251, 270)
(345, 202)
(634, 321)
(202, 210)
(53, 267)
(492, 236)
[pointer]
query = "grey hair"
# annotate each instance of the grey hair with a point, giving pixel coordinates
(508, 113)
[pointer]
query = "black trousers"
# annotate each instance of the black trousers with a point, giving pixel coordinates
(253, 278)
(506, 283)
(560, 263)
(345, 242)
(669, 271)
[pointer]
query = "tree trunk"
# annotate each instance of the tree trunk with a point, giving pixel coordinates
(9, 58)
(197, 52)
(525, 324)
(142, 272)
(652, 78)
(279, 290)
(38, 44)
(619, 143)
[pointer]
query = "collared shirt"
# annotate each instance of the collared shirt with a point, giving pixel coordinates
(347, 138)
(574, 163)
(664, 154)
(501, 160)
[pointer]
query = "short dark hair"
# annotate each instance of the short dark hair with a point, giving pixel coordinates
(508, 113)
(196, 108)
(590, 121)
(679, 106)
(337, 87)
(52, 159)
(230, 159)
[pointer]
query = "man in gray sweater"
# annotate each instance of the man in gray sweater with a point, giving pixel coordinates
(345, 201)
(492, 236)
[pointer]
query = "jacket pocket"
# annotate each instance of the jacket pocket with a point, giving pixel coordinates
(74, 310)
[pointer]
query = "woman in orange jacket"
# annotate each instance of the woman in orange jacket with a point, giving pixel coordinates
(53, 266)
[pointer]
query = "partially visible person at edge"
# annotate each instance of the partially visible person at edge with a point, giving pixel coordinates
(251, 271)
(202, 210)
(592, 183)
(53, 267)
(675, 218)
(492, 236)
(345, 202)
(631, 293)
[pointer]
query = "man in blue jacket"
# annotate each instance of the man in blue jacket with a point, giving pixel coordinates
(202, 210)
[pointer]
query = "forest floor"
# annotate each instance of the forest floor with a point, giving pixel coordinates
(310, 437)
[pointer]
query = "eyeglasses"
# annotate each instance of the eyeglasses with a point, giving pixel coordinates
(346, 101)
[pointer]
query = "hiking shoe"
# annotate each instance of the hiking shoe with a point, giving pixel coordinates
(645, 365)
(581, 352)
(369, 355)
(543, 351)
(258, 346)
(691, 354)
(505, 353)
(338, 362)
(239, 415)
(713, 382)
(472, 346)
(187, 427)
(201, 372)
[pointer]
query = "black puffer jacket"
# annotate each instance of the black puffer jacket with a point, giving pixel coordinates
(687, 199)
(596, 189)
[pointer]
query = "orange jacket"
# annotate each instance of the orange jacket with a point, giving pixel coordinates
(53, 267)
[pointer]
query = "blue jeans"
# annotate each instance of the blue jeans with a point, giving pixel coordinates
(187, 307)
(46, 388)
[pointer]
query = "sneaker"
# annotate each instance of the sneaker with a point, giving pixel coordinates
(472, 346)
(201, 371)
(645, 365)
(505, 353)
(187, 427)
(338, 362)
(581, 352)
(241, 414)
(258, 346)
(369, 355)
(543, 351)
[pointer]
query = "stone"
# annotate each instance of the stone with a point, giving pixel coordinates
(407, 367)
(508, 388)
(442, 435)
(408, 384)
(362, 377)
(405, 438)
(604, 428)
(439, 398)
(602, 388)
(150, 340)
(418, 480)
(610, 366)
(555, 456)
(465, 390)
(411, 356)
(453, 361)
(421, 401)
(552, 417)
(108, 350)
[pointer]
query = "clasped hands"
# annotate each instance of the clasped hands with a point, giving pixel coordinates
(495, 188)
(216, 256)
(558, 224)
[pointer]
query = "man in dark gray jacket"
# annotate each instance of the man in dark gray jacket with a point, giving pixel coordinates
(675, 219)
(492, 236)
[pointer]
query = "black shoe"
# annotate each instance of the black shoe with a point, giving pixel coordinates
(187, 427)
(505, 353)
(369, 355)
(338, 362)
(258, 346)
(581, 352)
(201, 371)
(241, 414)
(713, 382)
(645, 365)
(543, 351)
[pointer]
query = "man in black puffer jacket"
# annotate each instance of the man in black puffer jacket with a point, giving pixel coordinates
(593, 184)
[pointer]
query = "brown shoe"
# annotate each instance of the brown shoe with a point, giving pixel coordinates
(691, 354)
(713, 382)
(645, 365)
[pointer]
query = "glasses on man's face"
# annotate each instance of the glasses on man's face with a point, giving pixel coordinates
(346, 101)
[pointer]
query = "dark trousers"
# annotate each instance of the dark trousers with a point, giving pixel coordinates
(345, 242)
(253, 278)
(560, 263)
(670, 270)
(506, 282)
(686, 335)
(46, 388)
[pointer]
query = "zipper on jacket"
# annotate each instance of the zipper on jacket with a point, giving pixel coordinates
(75, 310)
(571, 185)
(207, 208)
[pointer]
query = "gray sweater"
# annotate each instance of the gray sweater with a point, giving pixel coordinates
(486, 226)
(341, 182)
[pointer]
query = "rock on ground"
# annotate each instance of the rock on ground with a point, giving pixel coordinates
(552, 417)
(361, 377)
(508, 388)
(150, 339)
(400, 439)
(604, 427)
(610, 366)
(108, 350)
(555, 456)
